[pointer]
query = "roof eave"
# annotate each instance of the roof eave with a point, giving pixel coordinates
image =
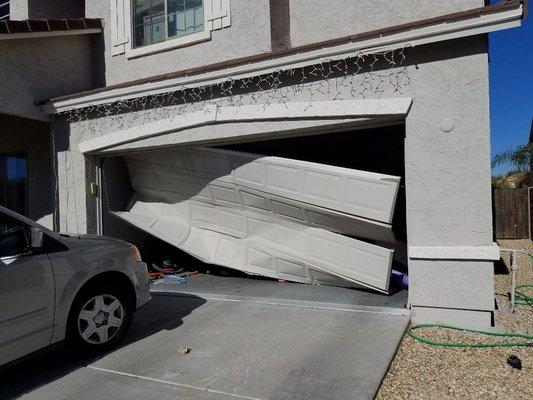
(451, 26)
(35, 35)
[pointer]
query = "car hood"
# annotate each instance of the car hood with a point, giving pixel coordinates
(77, 239)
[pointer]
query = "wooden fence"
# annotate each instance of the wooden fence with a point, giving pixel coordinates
(512, 213)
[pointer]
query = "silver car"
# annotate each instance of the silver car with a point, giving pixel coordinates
(53, 287)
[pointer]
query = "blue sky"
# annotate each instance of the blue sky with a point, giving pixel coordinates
(511, 87)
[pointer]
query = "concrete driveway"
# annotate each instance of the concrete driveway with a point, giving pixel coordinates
(241, 349)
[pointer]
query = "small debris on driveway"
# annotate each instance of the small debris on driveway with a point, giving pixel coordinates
(184, 350)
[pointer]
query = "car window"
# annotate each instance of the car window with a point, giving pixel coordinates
(13, 237)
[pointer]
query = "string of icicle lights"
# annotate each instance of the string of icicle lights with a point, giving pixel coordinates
(357, 76)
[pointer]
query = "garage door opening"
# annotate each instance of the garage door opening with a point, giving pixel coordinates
(367, 233)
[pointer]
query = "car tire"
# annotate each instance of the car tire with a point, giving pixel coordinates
(99, 318)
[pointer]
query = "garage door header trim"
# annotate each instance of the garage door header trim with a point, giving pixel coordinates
(395, 108)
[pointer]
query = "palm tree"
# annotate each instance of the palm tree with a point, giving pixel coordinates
(520, 158)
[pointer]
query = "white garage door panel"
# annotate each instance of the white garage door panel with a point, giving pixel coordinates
(312, 216)
(364, 194)
(269, 216)
(244, 240)
(167, 183)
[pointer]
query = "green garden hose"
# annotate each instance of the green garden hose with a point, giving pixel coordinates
(528, 342)
(521, 298)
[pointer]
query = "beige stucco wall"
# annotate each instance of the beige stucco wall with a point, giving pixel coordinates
(36, 9)
(41, 68)
(348, 17)
(447, 171)
(248, 34)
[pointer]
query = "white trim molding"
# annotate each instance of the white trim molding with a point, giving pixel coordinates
(415, 36)
(119, 29)
(223, 134)
(37, 35)
(169, 44)
(345, 109)
(488, 252)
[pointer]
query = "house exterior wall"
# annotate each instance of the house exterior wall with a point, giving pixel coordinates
(248, 34)
(37, 9)
(41, 68)
(348, 17)
(20, 135)
(447, 168)
(448, 174)
(250, 31)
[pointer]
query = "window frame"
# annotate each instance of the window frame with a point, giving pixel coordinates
(170, 42)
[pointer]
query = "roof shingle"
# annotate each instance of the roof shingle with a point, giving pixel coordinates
(48, 25)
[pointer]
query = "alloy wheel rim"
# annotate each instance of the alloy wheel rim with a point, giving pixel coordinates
(100, 319)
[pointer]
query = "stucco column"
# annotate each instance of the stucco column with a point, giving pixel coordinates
(72, 192)
(447, 167)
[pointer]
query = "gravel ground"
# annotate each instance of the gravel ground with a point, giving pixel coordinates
(427, 372)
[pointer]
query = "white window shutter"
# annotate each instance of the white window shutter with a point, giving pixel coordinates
(218, 13)
(119, 31)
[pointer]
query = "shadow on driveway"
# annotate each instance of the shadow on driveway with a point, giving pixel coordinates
(29, 373)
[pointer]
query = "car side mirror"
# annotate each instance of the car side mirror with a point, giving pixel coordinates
(36, 238)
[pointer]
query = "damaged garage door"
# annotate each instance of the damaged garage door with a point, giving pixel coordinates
(270, 216)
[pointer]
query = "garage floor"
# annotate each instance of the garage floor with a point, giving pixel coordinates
(252, 339)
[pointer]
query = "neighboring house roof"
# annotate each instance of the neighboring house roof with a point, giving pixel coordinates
(398, 33)
(31, 28)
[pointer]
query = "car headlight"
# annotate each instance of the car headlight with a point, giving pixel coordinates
(134, 251)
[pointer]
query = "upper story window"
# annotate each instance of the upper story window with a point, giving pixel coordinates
(159, 20)
(141, 27)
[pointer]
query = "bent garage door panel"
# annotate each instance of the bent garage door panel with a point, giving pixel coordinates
(357, 193)
(271, 216)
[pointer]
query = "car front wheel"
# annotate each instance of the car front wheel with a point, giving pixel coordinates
(100, 318)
